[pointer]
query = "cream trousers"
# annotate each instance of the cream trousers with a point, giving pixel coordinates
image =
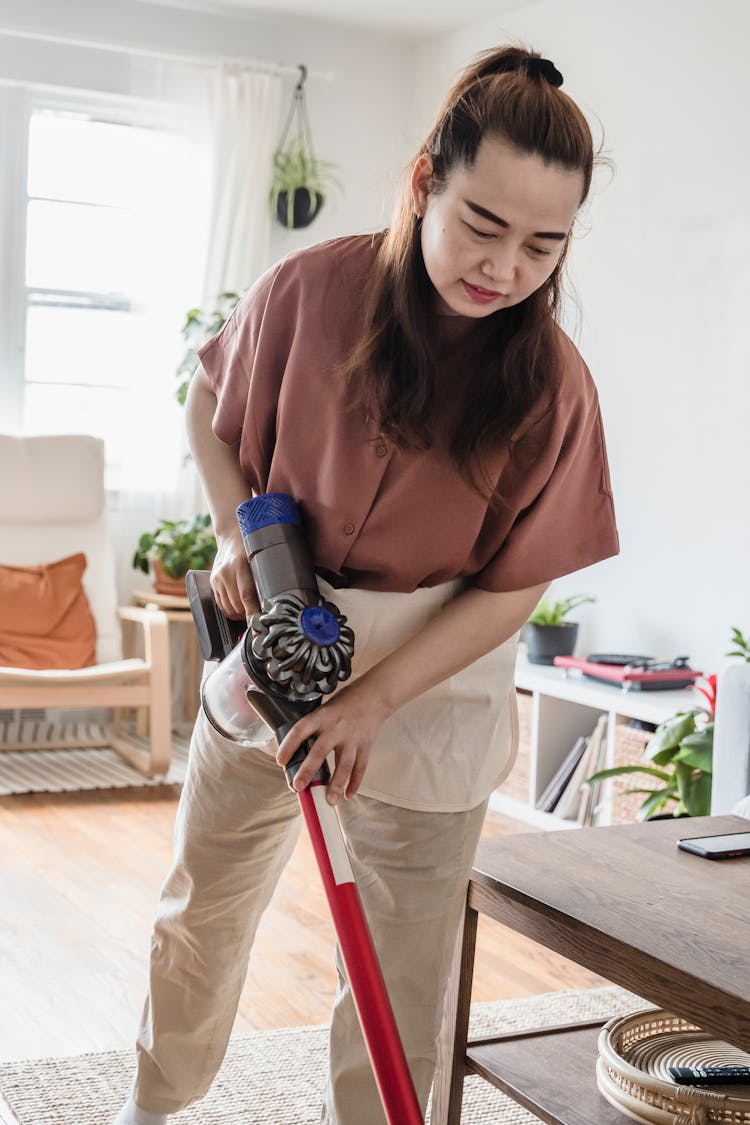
(236, 827)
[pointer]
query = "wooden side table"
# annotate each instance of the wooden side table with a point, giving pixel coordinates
(187, 683)
(626, 903)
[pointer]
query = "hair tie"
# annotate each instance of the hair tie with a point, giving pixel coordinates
(508, 63)
(543, 68)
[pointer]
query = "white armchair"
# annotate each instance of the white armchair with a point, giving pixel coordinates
(52, 505)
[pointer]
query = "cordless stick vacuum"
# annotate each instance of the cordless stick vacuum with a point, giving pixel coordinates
(296, 650)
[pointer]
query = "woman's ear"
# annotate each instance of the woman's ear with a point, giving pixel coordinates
(421, 183)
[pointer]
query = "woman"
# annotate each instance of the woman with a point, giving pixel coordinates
(441, 435)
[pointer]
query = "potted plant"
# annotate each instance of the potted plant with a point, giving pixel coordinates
(741, 645)
(200, 325)
(299, 180)
(174, 548)
(548, 633)
(298, 186)
(680, 757)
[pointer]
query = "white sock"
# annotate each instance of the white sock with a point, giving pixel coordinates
(131, 1114)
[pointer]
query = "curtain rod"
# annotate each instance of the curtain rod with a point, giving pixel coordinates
(162, 56)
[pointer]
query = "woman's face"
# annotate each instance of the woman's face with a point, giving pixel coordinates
(496, 231)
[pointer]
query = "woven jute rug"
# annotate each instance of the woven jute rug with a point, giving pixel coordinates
(278, 1077)
(45, 757)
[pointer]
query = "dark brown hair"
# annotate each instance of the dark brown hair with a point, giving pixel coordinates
(504, 93)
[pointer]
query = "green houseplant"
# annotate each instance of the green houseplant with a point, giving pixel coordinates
(174, 548)
(200, 325)
(680, 757)
(299, 180)
(299, 185)
(548, 633)
(740, 644)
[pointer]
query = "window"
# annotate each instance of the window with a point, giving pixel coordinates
(104, 286)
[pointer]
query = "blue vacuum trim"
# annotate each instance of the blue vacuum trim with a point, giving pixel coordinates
(318, 624)
(267, 509)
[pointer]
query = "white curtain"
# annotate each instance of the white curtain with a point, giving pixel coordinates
(234, 132)
(210, 224)
(244, 123)
(228, 118)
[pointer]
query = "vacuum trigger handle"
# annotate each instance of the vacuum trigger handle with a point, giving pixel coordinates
(293, 766)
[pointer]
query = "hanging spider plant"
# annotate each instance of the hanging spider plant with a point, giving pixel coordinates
(299, 181)
(299, 184)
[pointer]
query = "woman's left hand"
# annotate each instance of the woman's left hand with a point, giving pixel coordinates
(347, 725)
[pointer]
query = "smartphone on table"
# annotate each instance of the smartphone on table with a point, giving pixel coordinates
(728, 845)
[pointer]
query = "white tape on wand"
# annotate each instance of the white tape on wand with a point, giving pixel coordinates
(329, 826)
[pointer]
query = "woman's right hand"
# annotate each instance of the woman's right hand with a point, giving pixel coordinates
(231, 580)
(225, 486)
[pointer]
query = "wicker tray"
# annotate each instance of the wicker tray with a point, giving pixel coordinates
(631, 1071)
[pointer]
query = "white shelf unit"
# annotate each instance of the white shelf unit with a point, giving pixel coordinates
(565, 706)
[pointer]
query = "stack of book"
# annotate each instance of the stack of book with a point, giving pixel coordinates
(566, 795)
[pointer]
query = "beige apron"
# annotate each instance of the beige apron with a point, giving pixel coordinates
(446, 750)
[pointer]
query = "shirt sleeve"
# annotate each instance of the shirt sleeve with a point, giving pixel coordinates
(570, 522)
(244, 371)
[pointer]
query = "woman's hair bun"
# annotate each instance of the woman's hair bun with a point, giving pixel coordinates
(508, 61)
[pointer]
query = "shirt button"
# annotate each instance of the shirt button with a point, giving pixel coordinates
(382, 450)
(349, 528)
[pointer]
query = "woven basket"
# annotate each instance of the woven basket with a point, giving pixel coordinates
(631, 1071)
(630, 744)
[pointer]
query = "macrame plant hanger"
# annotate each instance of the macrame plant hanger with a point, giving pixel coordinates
(299, 157)
(298, 112)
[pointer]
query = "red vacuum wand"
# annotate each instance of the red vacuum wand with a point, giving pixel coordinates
(295, 651)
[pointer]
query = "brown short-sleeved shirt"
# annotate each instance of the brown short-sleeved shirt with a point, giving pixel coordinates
(377, 517)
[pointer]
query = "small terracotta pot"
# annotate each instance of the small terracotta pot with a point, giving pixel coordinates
(165, 584)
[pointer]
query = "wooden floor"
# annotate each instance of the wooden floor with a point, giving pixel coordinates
(79, 880)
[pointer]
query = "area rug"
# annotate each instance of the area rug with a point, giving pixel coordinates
(90, 765)
(277, 1077)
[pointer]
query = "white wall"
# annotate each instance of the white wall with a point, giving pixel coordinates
(663, 278)
(358, 119)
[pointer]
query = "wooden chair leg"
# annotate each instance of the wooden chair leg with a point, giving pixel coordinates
(448, 1088)
(160, 710)
(155, 759)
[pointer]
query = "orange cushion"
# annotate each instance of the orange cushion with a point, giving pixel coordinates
(45, 616)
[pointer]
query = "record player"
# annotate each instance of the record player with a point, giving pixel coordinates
(632, 672)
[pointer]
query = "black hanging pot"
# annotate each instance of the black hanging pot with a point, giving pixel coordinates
(545, 642)
(294, 164)
(301, 210)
